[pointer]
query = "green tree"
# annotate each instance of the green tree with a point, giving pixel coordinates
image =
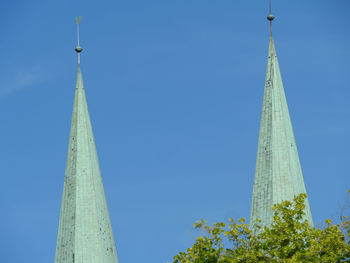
(288, 239)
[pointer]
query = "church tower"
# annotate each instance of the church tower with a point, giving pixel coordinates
(85, 233)
(278, 175)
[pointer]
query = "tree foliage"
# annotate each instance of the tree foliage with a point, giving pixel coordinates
(288, 239)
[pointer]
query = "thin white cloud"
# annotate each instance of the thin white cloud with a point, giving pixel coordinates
(23, 79)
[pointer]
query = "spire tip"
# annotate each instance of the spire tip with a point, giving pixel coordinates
(270, 17)
(78, 48)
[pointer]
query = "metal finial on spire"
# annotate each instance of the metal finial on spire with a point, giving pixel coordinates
(270, 17)
(78, 49)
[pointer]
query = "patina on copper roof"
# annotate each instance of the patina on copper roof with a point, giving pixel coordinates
(278, 174)
(85, 232)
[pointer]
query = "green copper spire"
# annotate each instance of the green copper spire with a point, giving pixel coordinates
(278, 175)
(85, 233)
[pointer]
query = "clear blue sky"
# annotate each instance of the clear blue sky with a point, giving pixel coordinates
(175, 91)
